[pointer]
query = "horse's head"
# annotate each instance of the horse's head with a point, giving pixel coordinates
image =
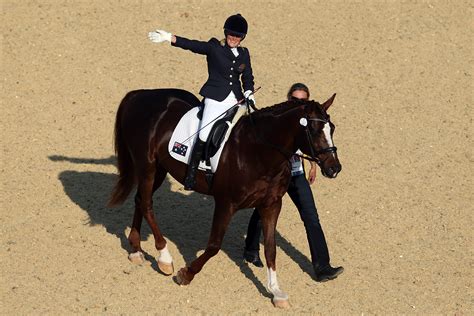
(315, 138)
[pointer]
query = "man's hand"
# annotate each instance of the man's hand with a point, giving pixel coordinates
(159, 36)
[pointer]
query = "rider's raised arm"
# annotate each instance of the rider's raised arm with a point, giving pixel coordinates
(198, 47)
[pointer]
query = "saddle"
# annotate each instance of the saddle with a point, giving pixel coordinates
(185, 135)
(217, 134)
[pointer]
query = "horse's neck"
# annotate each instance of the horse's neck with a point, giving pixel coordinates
(278, 132)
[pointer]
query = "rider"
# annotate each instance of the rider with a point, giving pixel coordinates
(227, 61)
(300, 193)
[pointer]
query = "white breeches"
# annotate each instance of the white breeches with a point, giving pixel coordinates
(213, 111)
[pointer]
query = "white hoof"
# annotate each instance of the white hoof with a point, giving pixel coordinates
(280, 299)
(165, 261)
(281, 303)
(166, 268)
(136, 257)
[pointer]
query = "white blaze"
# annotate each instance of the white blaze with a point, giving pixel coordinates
(327, 134)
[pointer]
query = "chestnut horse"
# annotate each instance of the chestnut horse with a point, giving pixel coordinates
(253, 171)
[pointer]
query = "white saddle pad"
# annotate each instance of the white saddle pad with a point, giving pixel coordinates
(185, 135)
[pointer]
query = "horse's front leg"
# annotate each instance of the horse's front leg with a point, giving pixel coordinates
(222, 214)
(269, 217)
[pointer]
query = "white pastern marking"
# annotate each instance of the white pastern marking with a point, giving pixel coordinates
(272, 279)
(273, 286)
(165, 255)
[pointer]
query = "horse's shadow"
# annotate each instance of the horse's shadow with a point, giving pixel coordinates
(187, 228)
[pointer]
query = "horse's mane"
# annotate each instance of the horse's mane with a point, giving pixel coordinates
(282, 108)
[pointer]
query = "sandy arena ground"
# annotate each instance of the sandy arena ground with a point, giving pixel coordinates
(398, 217)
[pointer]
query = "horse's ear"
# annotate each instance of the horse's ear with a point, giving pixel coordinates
(328, 103)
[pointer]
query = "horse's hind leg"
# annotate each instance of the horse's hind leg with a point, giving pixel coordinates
(222, 215)
(136, 255)
(165, 261)
(143, 204)
(149, 181)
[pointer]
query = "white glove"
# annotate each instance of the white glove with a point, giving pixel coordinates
(248, 94)
(159, 36)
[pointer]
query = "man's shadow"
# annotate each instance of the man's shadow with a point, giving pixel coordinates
(188, 228)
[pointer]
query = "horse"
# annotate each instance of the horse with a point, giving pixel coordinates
(253, 171)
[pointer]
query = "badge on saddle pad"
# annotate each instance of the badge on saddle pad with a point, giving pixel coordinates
(180, 149)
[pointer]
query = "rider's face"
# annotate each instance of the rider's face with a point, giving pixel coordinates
(299, 94)
(233, 41)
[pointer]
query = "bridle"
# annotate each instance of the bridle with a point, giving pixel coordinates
(314, 153)
(309, 138)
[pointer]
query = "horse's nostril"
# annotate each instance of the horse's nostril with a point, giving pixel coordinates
(334, 170)
(330, 172)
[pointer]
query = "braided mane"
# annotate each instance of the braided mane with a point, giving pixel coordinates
(282, 108)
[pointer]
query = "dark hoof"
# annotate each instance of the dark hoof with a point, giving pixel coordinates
(189, 188)
(253, 258)
(182, 277)
(327, 273)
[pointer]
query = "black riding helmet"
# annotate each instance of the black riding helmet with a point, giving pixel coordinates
(236, 25)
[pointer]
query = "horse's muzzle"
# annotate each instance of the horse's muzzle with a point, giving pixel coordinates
(331, 172)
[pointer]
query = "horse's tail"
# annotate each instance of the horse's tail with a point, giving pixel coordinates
(125, 166)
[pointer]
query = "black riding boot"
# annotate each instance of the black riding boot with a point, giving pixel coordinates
(190, 180)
